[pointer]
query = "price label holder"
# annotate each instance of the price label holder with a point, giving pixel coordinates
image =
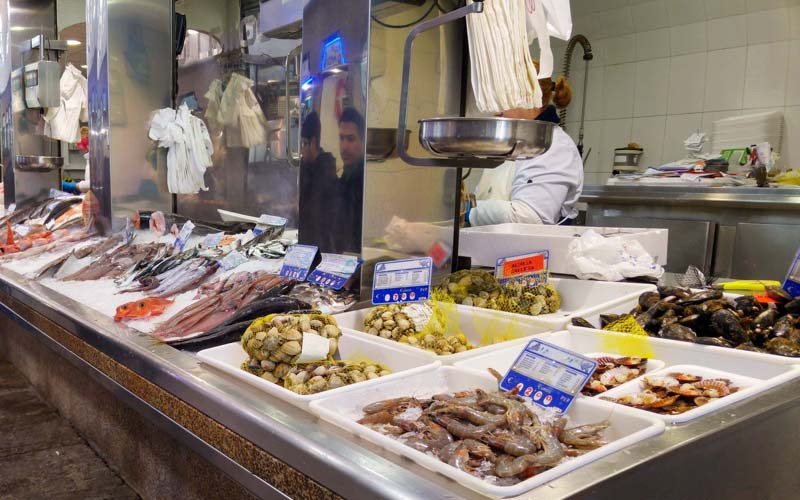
(792, 282)
(298, 261)
(183, 235)
(232, 260)
(211, 240)
(402, 281)
(530, 268)
(335, 270)
(549, 375)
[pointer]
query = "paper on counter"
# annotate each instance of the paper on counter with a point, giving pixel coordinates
(315, 348)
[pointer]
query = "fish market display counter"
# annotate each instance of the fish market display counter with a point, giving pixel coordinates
(177, 428)
(721, 229)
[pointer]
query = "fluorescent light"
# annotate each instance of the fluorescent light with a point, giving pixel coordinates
(192, 32)
(19, 28)
(73, 43)
(83, 66)
(335, 70)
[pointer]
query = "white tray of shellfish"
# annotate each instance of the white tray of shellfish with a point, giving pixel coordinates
(614, 427)
(400, 363)
(625, 359)
(582, 298)
(483, 330)
(728, 330)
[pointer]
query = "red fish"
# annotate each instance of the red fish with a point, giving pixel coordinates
(144, 308)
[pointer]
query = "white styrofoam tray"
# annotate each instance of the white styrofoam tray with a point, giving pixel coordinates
(486, 244)
(627, 426)
(747, 387)
(482, 329)
(229, 358)
(704, 351)
(583, 298)
(768, 368)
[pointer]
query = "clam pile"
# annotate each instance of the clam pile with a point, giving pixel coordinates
(419, 325)
(481, 289)
(274, 345)
(708, 317)
(311, 378)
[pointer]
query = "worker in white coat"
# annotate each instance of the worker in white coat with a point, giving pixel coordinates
(541, 190)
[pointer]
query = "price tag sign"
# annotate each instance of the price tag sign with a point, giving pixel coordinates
(792, 282)
(183, 235)
(211, 240)
(402, 281)
(530, 268)
(549, 375)
(298, 261)
(233, 259)
(335, 270)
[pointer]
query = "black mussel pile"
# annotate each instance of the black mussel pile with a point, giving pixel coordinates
(708, 317)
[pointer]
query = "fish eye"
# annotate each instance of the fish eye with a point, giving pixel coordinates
(141, 304)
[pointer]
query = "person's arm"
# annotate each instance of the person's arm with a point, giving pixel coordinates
(488, 212)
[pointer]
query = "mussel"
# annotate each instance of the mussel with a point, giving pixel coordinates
(606, 319)
(725, 323)
(783, 347)
(648, 300)
(793, 307)
(717, 341)
(778, 294)
(765, 322)
(747, 305)
(783, 327)
(673, 291)
(582, 323)
(676, 331)
(700, 297)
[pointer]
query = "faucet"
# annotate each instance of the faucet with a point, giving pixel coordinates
(587, 56)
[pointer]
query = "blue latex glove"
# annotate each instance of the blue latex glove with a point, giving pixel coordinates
(70, 187)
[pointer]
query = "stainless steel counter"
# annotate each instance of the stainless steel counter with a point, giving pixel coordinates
(730, 197)
(738, 441)
(749, 233)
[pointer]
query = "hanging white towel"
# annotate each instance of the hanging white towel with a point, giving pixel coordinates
(63, 122)
(189, 148)
(502, 71)
(240, 112)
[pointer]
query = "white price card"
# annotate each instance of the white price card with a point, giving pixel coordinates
(551, 376)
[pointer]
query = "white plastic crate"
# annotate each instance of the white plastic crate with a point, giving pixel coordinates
(229, 358)
(765, 367)
(627, 425)
(747, 387)
(486, 244)
(482, 328)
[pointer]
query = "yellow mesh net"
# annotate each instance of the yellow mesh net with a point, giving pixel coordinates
(625, 324)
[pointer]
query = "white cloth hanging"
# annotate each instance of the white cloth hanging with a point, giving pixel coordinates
(502, 71)
(241, 113)
(537, 28)
(189, 148)
(214, 96)
(63, 122)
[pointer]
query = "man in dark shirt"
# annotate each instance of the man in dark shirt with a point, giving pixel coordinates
(351, 186)
(318, 187)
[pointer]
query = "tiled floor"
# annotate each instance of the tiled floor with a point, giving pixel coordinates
(41, 455)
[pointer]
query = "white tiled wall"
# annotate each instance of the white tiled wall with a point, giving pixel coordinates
(665, 68)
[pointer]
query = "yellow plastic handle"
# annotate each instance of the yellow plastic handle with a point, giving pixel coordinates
(749, 285)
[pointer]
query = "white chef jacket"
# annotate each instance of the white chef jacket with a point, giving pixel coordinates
(541, 190)
(63, 122)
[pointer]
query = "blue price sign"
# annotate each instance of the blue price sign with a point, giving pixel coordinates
(549, 375)
(335, 270)
(298, 261)
(402, 281)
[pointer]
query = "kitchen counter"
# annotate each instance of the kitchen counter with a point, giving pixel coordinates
(746, 232)
(776, 199)
(273, 449)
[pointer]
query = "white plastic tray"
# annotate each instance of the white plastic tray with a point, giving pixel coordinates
(486, 244)
(583, 298)
(626, 306)
(627, 425)
(747, 387)
(765, 367)
(229, 358)
(481, 327)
